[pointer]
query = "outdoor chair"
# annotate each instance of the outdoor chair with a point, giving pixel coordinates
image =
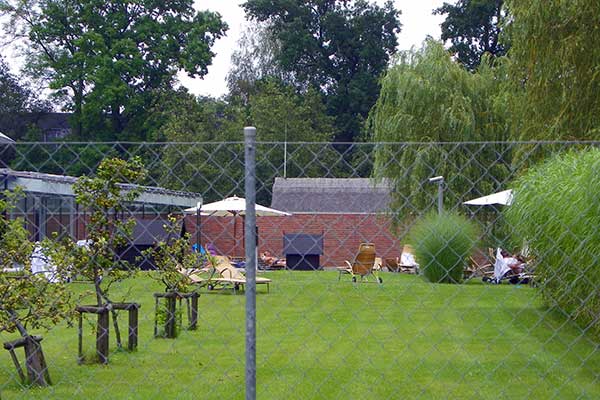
(199, 276)
(480, 265)
(363, 264)
(392, 264)
(226, 275)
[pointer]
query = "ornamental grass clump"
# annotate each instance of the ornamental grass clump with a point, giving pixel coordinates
(556, 209)
(443, 244)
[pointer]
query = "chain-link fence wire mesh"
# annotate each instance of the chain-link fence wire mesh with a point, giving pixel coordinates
(326, 328)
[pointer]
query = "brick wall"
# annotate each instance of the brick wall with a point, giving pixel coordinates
(343, 233)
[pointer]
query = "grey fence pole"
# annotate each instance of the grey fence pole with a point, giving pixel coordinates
(250, 246)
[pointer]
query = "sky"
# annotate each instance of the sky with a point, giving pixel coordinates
(416, 19)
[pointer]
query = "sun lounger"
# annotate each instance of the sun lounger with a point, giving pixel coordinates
(226, 275)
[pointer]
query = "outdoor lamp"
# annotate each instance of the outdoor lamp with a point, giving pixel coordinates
(440, 181)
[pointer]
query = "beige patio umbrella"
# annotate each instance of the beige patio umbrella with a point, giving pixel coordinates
(234, 206)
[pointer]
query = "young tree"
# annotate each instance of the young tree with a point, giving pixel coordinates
(173, 256)
(105, 197)
(107, 58)
(338, 47)
(474, 27)
(27, 300)
(175, 262)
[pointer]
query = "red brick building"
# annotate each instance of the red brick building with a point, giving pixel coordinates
(346, 212)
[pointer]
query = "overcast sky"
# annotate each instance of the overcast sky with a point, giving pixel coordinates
(417, 23)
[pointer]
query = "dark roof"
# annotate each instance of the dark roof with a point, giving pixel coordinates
(52, 184)
(53, 120)
(52, 124)
(331, 195)
(149, 232)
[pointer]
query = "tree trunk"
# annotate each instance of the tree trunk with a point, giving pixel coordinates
(117, 330)
(171, 322)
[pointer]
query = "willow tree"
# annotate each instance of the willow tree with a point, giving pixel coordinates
(554, 62)
(428, 103)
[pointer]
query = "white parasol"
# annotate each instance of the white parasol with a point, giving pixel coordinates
(234, 206)
(504, 198)
(5, 139)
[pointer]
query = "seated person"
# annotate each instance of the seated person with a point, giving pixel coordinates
(515, 263)
(271, 261)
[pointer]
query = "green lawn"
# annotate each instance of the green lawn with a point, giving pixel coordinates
(323, 339)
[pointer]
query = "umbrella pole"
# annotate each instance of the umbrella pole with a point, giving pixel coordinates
(198, 244)
(234, 250)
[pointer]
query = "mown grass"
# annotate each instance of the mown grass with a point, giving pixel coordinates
(323, 339)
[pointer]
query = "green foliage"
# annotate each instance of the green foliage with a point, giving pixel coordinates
(16, 96)
(17, 101)
(443, 244)
(58, 157)
(27, 300)
(428, 97)
(554, 69)
(255, 60)
(173, 256)
(556, 210)
(474, 28)
(214, 164)
(107, 58)
(336, 46)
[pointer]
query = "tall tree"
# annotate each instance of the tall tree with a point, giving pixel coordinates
(428, 97)
(555, 60)
(254, 60)
(215, 161)
(108, 57)
(15, 96)
(16, 99)
(473, 27)
(338, 47)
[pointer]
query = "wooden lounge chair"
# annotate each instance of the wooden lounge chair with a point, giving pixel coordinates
(480, 265)
(226, 275)
(392, 264)
(362, 265)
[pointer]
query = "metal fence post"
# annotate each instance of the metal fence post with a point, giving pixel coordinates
(250, 246)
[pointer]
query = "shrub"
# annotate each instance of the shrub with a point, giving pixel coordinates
(556, 210)
(443, 244)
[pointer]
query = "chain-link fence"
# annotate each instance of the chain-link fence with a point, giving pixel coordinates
(385, 270)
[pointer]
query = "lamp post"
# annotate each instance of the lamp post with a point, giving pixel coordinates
(440, 181)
